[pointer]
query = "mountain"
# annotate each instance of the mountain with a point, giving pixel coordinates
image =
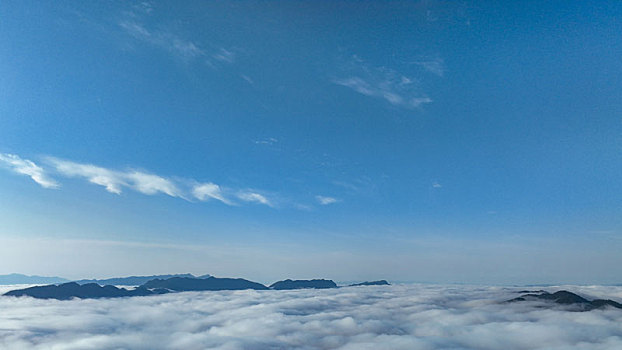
(180, 284)
(17, 278)
(135, 280)
(569, 299)
(70, 290)
(303, 284)
(373, 283)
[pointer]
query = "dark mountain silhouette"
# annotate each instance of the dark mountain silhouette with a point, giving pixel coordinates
(135, 280)
(566, 298)
(70, 290)
(303, 284)
(372, 283)
(17, 278)
(181, 284)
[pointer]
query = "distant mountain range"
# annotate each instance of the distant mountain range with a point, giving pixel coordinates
(136, 280)
(17, 278)
(70, 290)
(303, 284)
(183, 284)
(572, 301)
(174, 284)
(373, 283)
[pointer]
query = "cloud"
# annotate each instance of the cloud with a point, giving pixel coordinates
(435, 66)
(224, 55)
(266, 141)
(247, 79)
(111, 180)
(398, 317)
(152, 184)
(29, 168)
(205, 191)
(381, 82)
(326, 200)
(134, 23)
(183, 48)
(114, 181)
(435, 184)
(254, 197)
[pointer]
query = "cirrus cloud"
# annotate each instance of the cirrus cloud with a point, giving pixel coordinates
(29, 168)
(117, 181)
(324, 200)
(254, 197)
(114, 181)
(382, 82)
(205, 191)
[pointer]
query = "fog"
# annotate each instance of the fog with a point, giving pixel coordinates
(378, 317)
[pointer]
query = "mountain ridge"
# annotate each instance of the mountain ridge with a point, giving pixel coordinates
(572, 301)
(136, 280)
(18, 278)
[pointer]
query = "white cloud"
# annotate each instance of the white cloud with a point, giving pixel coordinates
(114, 181)
(183, 48)
(435, 184)
(435, 66)
(135, 23)
(247, 78)
(111, 180)
(152, 184)
(29, 168)
(429, 317)
(224, 55)
(266, 141)
(326, 200)
(382, 82)
(205, 191)
(253, 197)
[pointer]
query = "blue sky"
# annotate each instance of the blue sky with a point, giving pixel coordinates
(414, 141)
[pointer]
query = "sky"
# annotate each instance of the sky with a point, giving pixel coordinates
(426, 141)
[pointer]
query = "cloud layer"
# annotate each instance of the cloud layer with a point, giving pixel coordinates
(392, 317)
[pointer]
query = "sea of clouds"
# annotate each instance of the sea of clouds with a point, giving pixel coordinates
(378, 317)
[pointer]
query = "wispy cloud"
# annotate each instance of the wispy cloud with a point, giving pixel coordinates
(323, 200)
(382, 82)
(135, 22)
(29, 168)
(205, 191)
(435, 184)
(224, 55)
(247, 79)
(254, 197)
(118, 181)
(165, 40)
(266, 141)
(111, 180)
(435, 66)
(114, 181)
